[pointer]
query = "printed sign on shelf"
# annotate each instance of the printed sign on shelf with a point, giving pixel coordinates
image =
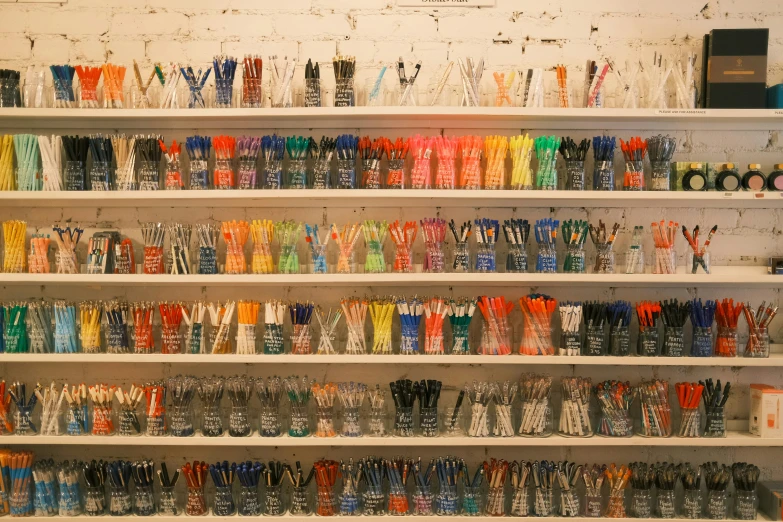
(446, 3)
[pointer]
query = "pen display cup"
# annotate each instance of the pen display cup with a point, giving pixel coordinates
(181, 421)
(144, 98)
(574, 262)
(446, 500)
(604, 259)
(344, 95)
(156, 423)
(569, 503)
(199, 175)
(325, 422)
(196, 504)
(409, 338)
(701, 344)
(346, 263)
(149, 175)
(239, 421)
(168, 504)
(119, 501)
(758, 342)
(352, 426)
(460, 344)
(654, 412)
(472, 501)
(516, 259)
(544, 503)
(715, 425)
(252, 93)
(273, 174)
(269, 422)
(273, 339)
(69, 502)
(65, 261)
(322, 174)
(301, 501)
(620, 341)
(75, 176)
(717, 507)
(223, 502)
(422, 503)
(348, 502)
(373, 501)
(153, 260)
(726, 342)
(94, 501)
(76, 420)
(690, 423)
(453, 423)
(641, 503)
(375, 262)
(665, 260)
(171, 340)
(173, 177)
(288, 263)
(428, 421)
(282, 92)
(634, 176)
(247, 174)
(407, 93)
(434, 258)
(371, 174)
(461, 263)
(129, 425)
(615, 420)
(595, 341)
(575, 411)
(603, 176)
(195, 339)
(546, 175)
(503, 421)
(403, 421)
(143, 501)
(325, 501)
(103, 420)
(634, 260)
(648, 345)
(211, 421)
(691, 504)
(101, 176)
(746, 504)
(9, 92)
(224, 93)
(403, 260)
(222, 345)
(520, 502)
(223, 174)
(446, 173)
(318, 263)
(615, 508)
(296, 174)
(273, 501)
(536, 339)
(301, 339)
(395, 178)
(537, 417)
(299, 425)
(546, 260)
(660, 176)
(496, 502)
(592, 503)
(346, 174)
(575, 175)
(249, 502)
(312, 92)
(485, 258)
(694, 262)
(674, 341)
(23, 421)
(378, 421)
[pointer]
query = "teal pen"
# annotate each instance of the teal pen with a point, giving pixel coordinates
(376, 90)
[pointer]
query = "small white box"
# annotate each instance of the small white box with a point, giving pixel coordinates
(765, 411)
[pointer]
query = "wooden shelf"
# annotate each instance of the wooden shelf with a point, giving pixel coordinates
(390, 199)
(774, 361)
(512, 118)
(721, 276)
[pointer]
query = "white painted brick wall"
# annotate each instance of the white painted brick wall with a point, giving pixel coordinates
(376, 32)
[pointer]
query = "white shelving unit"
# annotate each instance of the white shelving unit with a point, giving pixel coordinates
(433, 518)
(733, 439)
(741, 276)
(774, 361)
(19, 119)
(390, 199)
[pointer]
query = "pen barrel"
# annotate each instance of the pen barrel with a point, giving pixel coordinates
(288, 262)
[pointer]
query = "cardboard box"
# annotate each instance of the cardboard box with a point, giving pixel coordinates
(766, 403)
(771, 498)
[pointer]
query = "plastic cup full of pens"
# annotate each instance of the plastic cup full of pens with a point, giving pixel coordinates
(446, 499)
(434, 234)
(717, 477)
(299, 394)
(546, 236)
(198, 148)
(665, 257)
(574, 236)
(634, 256)
(746, 501)
(603, 168)
(727, 316)
(661, 150)
(655, 412)
(272, 150)
(239, 389)
(537, 311)
(274, 504)
(404, 395)
(574, 156)
(195, 477)
(536, 418)
(252, 86)
(634, 153)
(297, 148)
(575, 414)
(346, 240)
(546, 148)
(615, 399)
(344, 69)
(648, 314)
(248, 149)
(758, 332)
(460, 316)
